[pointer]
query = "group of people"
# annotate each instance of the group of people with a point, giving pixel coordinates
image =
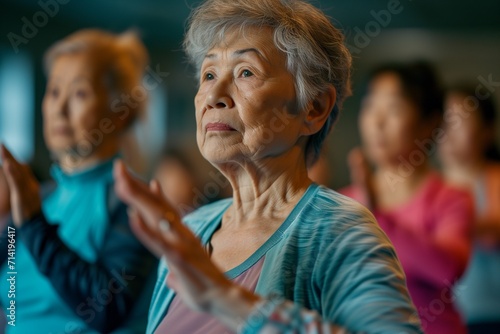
(403, 249)
(444, 226)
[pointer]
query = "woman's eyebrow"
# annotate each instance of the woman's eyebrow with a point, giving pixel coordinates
(54, 79)
(82, 78)
(239, 53)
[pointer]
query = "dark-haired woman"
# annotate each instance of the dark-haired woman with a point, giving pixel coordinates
(470, 160)
(427, 220)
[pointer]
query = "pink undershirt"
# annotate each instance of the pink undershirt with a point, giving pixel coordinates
(180, 319)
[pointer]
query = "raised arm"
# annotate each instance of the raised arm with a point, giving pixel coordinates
(120, 271)
(118, 275)
(369, 296)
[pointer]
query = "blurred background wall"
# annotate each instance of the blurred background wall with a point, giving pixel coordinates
(462, 39)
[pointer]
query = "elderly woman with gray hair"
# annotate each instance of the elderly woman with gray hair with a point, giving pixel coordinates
(80, 268)
(283, 255)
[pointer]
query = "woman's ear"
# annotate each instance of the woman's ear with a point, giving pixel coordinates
(318, 110)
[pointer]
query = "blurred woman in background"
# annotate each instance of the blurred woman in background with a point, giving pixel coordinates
(80, 268)
(427, 221)
(471, 160)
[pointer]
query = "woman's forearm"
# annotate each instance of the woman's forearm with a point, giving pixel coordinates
(276, 315)
(232, 306)
(80, 282)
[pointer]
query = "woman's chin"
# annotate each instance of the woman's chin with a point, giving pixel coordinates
(219, 155)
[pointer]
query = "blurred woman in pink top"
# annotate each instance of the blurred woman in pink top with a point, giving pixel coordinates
(428, 221)
(471, 160)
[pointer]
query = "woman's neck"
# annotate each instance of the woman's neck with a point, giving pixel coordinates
(394, 187)
(71, 163)
(266, 189)
(464, 174)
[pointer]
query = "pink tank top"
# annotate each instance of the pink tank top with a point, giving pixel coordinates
(180, 319)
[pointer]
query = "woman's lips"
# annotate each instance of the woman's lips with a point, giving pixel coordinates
(218, 127)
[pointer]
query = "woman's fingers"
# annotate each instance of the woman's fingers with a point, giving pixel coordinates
(149, 202)
(141, 231)
(5, 153)
(15, 173)
(24, 189)
(128, 188)
(11, 169)
(155, 188)
(171, 281)
(137, 195)
(158, 226)
(170, 214)
(19, 176)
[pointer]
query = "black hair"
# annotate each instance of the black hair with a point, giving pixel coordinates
(419, 83)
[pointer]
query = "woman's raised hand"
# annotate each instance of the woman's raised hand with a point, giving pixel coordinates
(24, 189)
(156, 223)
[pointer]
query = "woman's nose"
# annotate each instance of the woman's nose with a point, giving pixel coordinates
(219, 96)
(380, 120)
(62, 108)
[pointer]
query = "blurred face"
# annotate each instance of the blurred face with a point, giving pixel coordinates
(74, 104)
(389, 123)
(176, 182)
(466, 138)
(246, 102)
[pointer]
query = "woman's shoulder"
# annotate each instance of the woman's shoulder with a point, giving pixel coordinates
(332, 214)
(330, 201)
(439, 192)
(334, 227)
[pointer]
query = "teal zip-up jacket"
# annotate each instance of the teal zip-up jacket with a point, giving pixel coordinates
(79, 268)
(328, 256)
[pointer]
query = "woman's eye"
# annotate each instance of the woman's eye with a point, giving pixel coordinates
(209, 76)
(81, 94)
(54, 92)
(394, 108)
(246, 73)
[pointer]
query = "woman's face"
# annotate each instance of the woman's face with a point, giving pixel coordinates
(466, 137)
(389, 123)
(246, 105)
(75, 106)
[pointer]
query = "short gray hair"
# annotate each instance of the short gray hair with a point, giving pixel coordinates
(123, 57)
(315, 50)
